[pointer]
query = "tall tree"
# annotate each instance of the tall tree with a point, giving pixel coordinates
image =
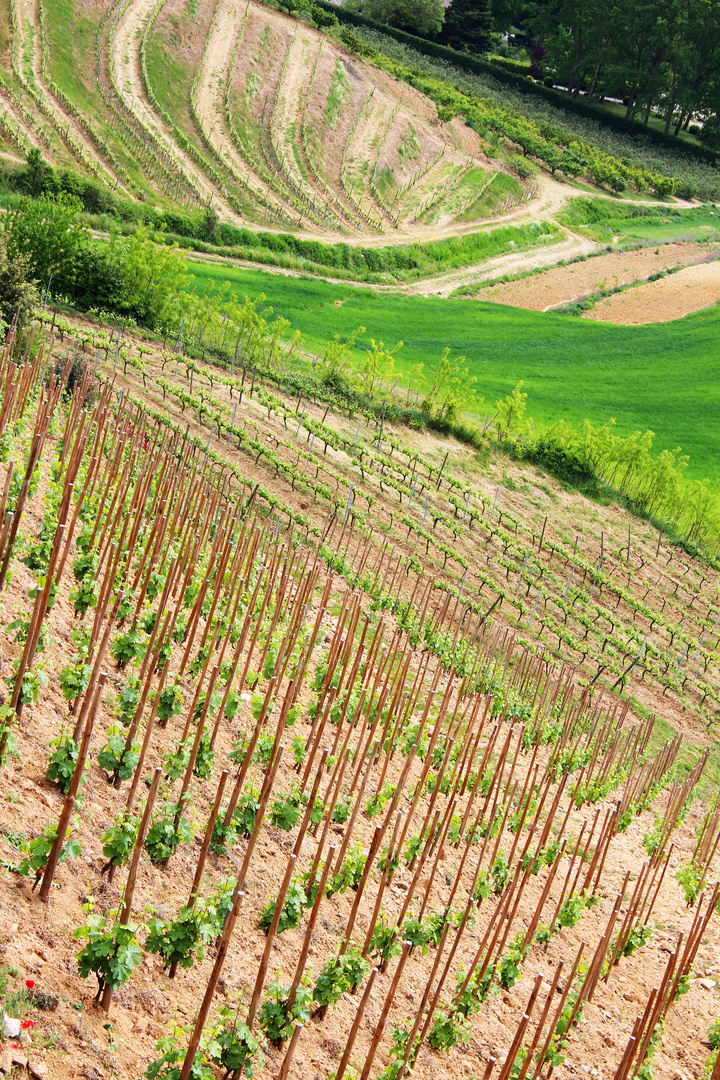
(422, 17)
(468, 25)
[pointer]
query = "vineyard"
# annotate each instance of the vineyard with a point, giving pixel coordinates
(238, 107)
(333, 749)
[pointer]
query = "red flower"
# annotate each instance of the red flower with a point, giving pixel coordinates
(27, 1024)
(30, 983)
(14, 1046)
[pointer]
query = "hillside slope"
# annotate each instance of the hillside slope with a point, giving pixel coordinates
(413, 649)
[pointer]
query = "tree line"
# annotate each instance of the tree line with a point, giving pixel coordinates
(656, 57)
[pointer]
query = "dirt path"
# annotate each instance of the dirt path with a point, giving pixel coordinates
(569, 284)
(125, 61)
(691, 289)
(512, 263)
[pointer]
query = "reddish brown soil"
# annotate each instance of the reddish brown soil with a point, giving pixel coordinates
(691, 289)
(568, 284)
(36, 941)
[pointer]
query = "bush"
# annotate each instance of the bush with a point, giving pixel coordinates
(292, 911)
(18, 292)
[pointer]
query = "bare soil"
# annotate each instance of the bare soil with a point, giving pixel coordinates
(560, 285)
(672, 297)
(36, 941)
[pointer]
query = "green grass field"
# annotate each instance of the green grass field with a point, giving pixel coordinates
(665, 377)
(604, 220)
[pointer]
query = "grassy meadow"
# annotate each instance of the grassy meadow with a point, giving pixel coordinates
(665, 377)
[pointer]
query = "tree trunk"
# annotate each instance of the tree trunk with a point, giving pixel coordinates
(576, 64)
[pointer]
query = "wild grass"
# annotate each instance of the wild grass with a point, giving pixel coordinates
(605, 220)
(663, 377)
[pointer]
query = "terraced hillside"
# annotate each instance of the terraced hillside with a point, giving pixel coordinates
(321, 683)
(235, 106)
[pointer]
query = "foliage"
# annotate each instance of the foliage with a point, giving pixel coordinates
(447, 1032)
(111, 951)
(689, 879)
(276, 1020)
(119, 840)
(168, 1065)
(292, 911)
(246, 811)
(343, 972)
(18, 292)
(115, 759)
(62, 761)
(349, 874)
(181, 940)
(424, 17)
(127, 647)
(234, 1047)
(511, 962)
(285, 811)
(384, 943)
(162, 839)
(170, 703)
(36, 851)
(74, 680)
(48, 233)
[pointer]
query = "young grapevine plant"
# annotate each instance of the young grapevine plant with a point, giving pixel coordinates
(111, 951)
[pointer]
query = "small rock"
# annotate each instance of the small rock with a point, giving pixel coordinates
(38, 1069)
(19, 1059)
(10, 1026)
(5, 1062)
(707, 984)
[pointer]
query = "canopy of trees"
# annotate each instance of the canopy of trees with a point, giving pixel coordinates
(657, 56)
(422, 17)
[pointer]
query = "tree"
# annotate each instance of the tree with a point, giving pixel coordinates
(37, 173)
(48, 232)
(452, 387)
(377, 366)
(152, 276)
(17, 290)
(423, 17)
(510, 412)
(468, 25)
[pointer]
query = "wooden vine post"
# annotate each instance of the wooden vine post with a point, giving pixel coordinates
(132, 873)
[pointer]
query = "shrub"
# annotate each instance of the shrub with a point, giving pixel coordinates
(291, 913)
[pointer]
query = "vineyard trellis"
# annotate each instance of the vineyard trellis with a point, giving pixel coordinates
(481, 746)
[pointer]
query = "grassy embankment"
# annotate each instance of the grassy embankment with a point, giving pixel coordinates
(665, 377)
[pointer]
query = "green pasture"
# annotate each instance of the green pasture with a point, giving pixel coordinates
(665, 377)
(605, 219)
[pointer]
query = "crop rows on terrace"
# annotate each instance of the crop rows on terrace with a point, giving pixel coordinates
(453, 821)
(235, 106)
(627, 609)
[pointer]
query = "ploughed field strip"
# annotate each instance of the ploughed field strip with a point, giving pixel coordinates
(690, 289)
(559, 285)
(418, 826)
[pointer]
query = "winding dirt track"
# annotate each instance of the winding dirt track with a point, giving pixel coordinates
(212, 81)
